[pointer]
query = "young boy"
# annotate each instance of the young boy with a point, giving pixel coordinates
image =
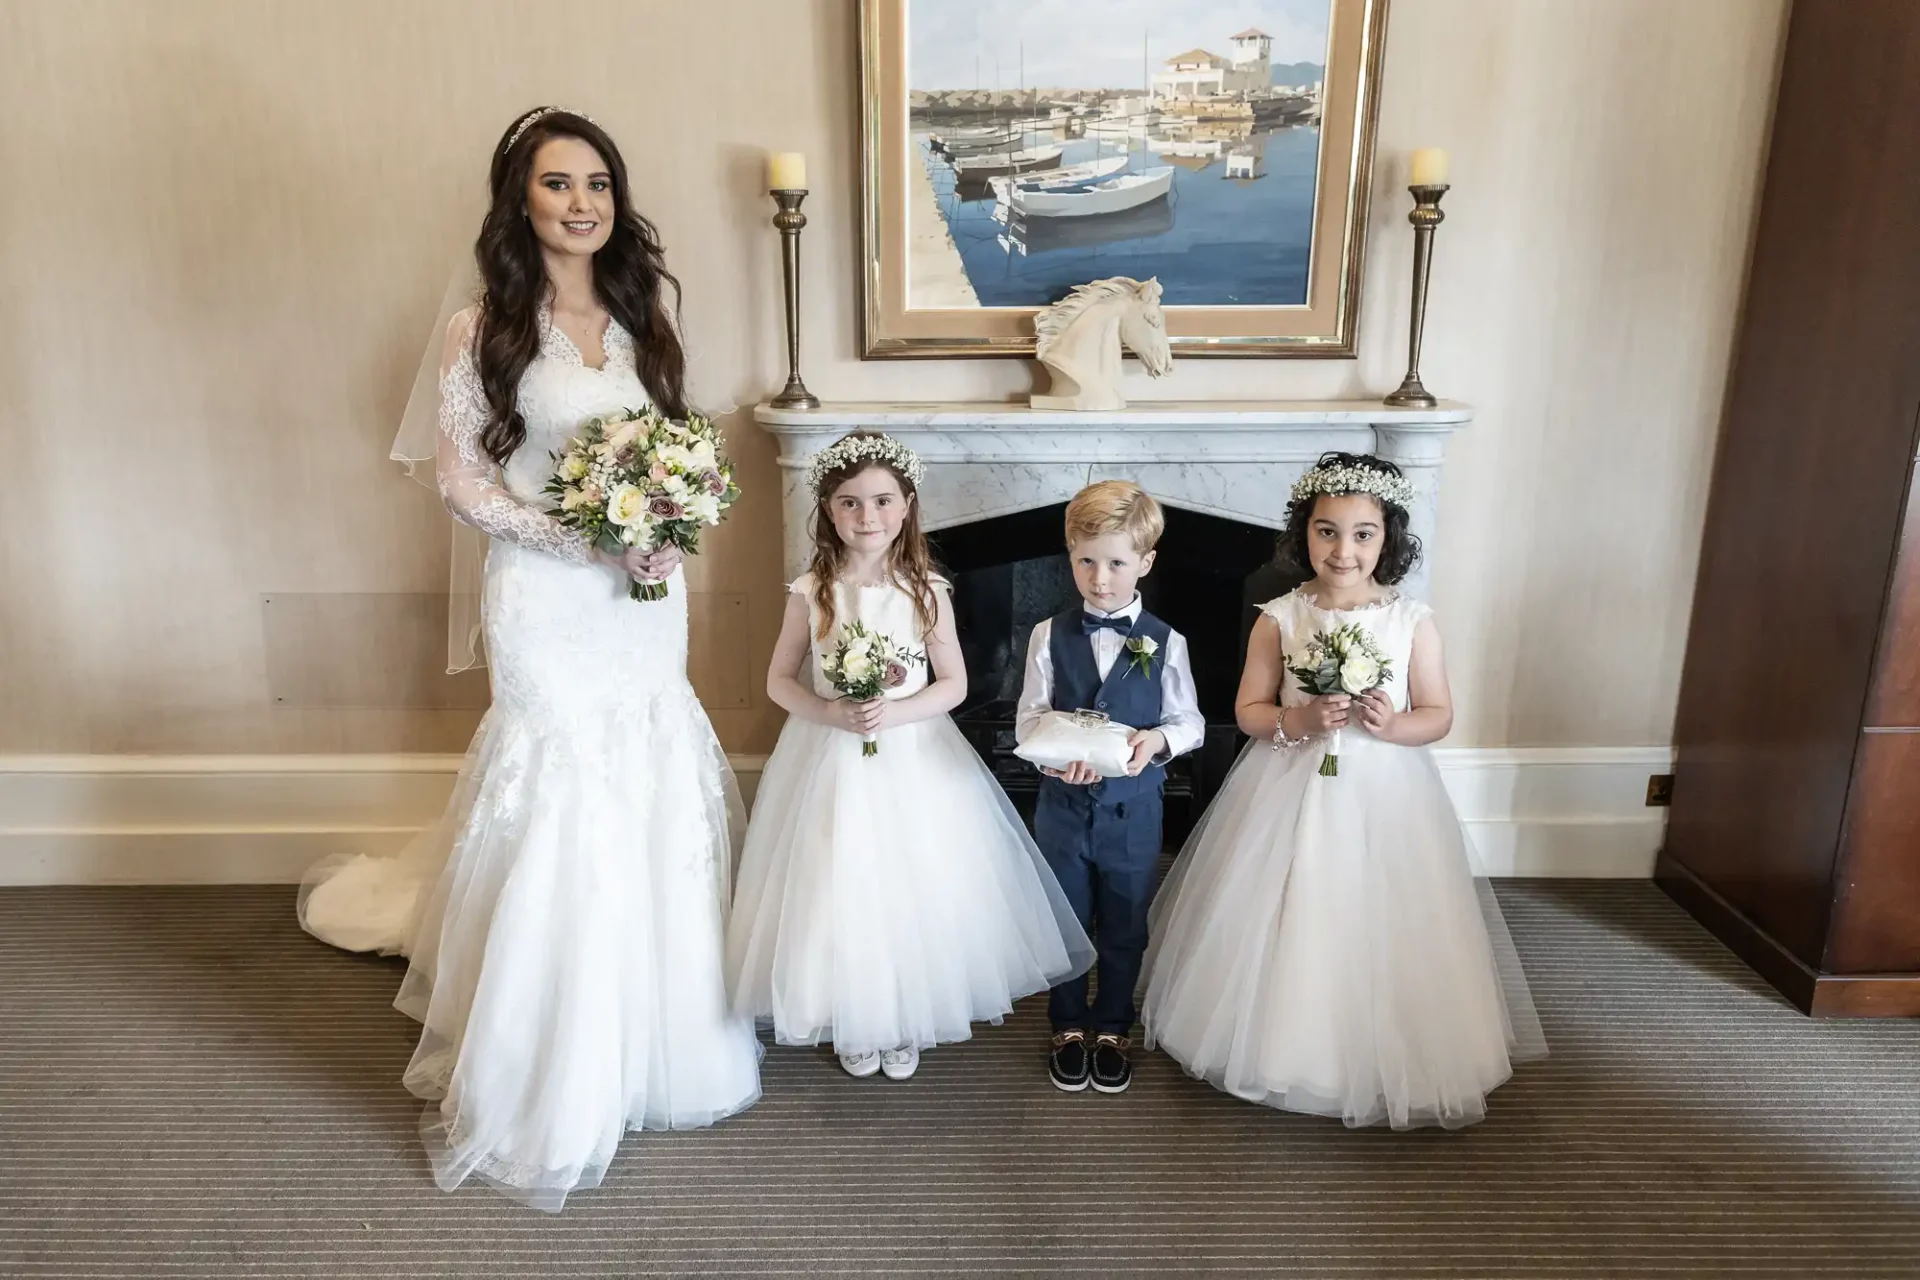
(1101, 836)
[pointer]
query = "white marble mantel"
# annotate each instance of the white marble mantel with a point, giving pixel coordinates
(1226, 458)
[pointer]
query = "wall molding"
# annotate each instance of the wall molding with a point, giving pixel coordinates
(261, 819)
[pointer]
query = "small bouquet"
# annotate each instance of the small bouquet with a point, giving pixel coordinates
(640, 479)
(864, 664)
(1344, 660)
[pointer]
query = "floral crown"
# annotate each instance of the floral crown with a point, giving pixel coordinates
(1344, 478)
(532, 117)
(878, 448)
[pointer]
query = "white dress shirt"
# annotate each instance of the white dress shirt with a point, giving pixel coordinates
(1180, 718)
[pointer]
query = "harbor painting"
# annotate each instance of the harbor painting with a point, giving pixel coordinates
(1017, 148)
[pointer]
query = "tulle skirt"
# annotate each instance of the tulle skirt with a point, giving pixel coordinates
(892, 899)
(1322, 946)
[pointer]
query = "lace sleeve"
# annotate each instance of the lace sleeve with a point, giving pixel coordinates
(470, 479)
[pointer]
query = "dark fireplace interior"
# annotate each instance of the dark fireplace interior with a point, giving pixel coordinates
(1209, 578)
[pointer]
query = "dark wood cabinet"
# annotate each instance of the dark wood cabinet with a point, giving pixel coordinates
(1795, 828)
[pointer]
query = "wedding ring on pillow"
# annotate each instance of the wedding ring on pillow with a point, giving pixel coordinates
(1064, 738)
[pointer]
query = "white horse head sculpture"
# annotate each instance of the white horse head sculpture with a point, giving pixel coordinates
(1081, 335)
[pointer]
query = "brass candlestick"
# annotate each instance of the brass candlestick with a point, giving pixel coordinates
(789, 220)
(1425, 217)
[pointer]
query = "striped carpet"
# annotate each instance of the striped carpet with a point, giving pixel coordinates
(190, 1087)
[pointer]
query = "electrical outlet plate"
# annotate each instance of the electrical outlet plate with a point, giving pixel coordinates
(1659, 790)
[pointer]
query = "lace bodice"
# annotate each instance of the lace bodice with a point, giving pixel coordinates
(557, 392)
(1392, 622)
(887, 610)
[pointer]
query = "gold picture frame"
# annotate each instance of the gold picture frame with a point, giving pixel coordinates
(897, 166)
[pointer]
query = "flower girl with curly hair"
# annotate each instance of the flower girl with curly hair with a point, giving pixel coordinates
(889, 896)
(1321, 945)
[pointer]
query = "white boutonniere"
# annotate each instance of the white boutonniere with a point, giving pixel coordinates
(1141, 651)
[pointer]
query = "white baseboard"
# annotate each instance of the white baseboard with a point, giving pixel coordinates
(262, 819)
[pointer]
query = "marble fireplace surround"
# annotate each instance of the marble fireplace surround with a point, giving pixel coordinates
(1223, 458)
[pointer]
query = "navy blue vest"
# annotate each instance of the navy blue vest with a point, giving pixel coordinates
(1125, 695)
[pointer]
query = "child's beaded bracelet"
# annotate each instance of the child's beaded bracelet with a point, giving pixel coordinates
(1280, 738)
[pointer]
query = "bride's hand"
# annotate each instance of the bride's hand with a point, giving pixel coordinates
(652, 566)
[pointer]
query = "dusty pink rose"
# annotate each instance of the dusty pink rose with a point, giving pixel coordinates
(894, 676)
(665, 508)
(716, 483)
(657, 472)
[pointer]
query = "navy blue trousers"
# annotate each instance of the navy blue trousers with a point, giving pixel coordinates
(1103, 852)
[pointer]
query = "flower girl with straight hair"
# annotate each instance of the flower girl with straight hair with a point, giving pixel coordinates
(1322, 945)
(889, 896)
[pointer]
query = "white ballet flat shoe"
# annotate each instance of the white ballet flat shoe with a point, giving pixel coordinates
(861, 1065)
(900, 1064)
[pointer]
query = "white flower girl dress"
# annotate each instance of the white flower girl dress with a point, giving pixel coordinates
(892, 900)
(1321, 945)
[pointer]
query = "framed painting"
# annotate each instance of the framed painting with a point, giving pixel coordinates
(1012, 149)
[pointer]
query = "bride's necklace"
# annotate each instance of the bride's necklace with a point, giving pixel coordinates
(580, 328)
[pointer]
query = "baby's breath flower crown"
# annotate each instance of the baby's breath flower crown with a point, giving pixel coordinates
(878, 448)
(1343, 478)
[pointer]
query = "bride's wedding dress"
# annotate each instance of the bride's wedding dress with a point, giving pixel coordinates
(565, 920)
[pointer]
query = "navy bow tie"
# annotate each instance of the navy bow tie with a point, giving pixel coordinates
(1090, 623)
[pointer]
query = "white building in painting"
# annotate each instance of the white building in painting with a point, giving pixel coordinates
(1200, 74)
(1253, 54)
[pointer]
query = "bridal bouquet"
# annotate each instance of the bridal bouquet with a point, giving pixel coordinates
(1344, 660)
(639, 479)
(864, 664)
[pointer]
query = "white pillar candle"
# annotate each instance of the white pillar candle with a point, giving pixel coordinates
(1428, 168)
(786, 171)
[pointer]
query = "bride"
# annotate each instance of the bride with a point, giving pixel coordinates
(564, 921)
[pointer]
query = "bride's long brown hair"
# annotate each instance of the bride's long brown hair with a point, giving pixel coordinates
(630, 277)
(909, 561)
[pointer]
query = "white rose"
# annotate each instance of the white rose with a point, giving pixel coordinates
(627, 505)
(1146, 645)
(704, 458)
(1359, 673)
(860, 645)
(858, 666)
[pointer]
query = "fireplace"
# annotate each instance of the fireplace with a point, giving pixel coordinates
(998, 479)
(1010, 572)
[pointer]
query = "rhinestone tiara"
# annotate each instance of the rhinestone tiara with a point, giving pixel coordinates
(539, 113)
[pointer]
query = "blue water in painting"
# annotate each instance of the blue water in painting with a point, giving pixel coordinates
(1211, 242)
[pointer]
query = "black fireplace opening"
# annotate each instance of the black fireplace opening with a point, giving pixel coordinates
(1010, 572)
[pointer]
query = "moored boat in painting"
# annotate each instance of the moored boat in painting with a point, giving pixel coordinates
(1050, 180)
(1094, 196)
(981, 167)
